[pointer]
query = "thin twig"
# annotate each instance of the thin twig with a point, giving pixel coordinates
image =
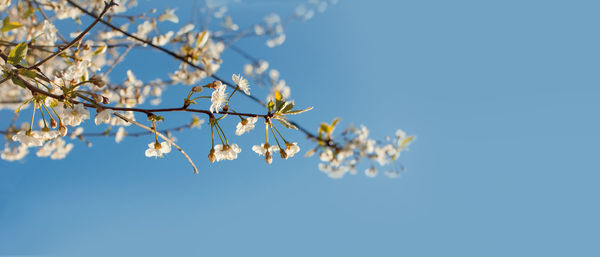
(162, 49)
(107, 6)
(118, 60)
(163, 137)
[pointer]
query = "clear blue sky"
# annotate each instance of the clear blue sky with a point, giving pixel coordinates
(503, 96)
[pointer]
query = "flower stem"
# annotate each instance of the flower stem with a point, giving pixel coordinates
(235, 90)
(280, 134)
(43, 118)
(32, 117)
(219, 127)
(155, 134)
(276, 140)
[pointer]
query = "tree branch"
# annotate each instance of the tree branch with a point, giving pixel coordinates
(163, 137)
(107, 6)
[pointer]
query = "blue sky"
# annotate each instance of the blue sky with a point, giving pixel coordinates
(501, 94)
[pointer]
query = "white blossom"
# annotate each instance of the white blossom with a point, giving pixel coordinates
(103, 116)
(169, 15)
(27, 139)
(245, 125)
(185, 29)
(73, 116)
(45, 134)
(121, 133)
(266, 150)
(371, 172)
(143, 29)
(227, 152)
(56, 150)
(291, 149)
(48, 33)
(163, 39)
(242, 83)
(218, 98)
(14, 153)
(158, 149)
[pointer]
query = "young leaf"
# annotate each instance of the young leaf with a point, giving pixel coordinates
(335, 122)
(287, 106)
(28, 73)
(18, 82)
(17, 54)
(202, 39)
(99, 50)
(278, 105)
(324, 128)
(8, 25)
(299, 111)
(278, 95)
(271, 106)
(286, 123)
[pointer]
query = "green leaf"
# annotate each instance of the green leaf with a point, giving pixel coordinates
(99, 50)
(293, 112)
(28, 73)
(278, 105)
(287, 106)
(18, 82)
(324, 128)
(17, 54)
(8, 25)
(335, 122)
(271, 105)
(286, 123)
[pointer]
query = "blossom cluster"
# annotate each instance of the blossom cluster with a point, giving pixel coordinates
(55, 80)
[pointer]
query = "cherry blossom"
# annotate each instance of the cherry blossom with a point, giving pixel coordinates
(54, 76)
(156, 149)
(103, 116)
(245, 125)
(242, 83)
(218, 98)
(227, 152)
(73, 116)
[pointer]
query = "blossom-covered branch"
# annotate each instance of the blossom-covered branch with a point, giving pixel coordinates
(63, 82)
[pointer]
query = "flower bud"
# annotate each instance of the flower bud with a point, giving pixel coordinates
(226, 108)
(211, 155)
(283, 154)
(268, 158)
(98, 98)
(62, 130)
(97, 80)
(197, 89)
(53, 123)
